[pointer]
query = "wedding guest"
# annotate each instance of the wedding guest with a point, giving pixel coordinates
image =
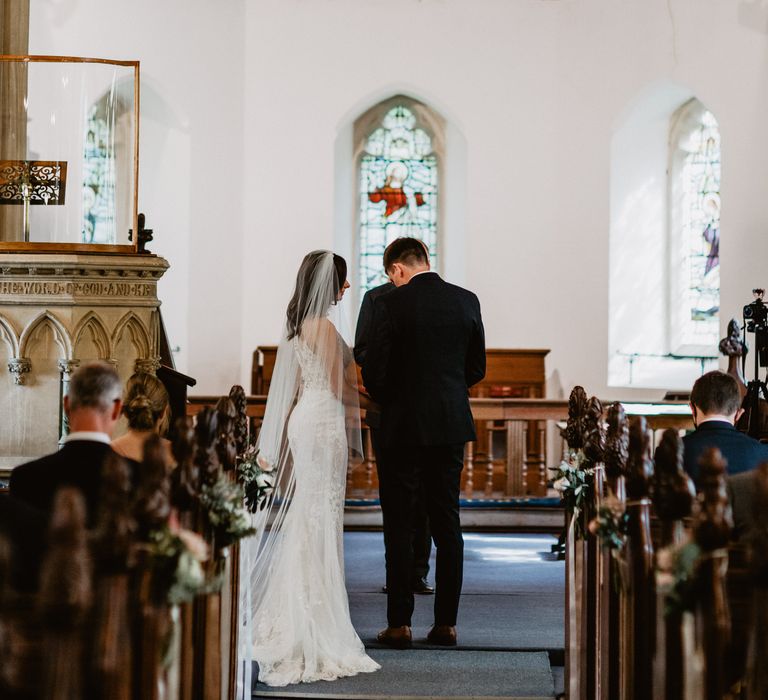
(716, 406)
(92, 405)
(145, 406)
(746, 496)
(422, 538)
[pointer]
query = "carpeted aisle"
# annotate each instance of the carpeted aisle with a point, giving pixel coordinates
(510, 626)
(512, 598)
(436, 674)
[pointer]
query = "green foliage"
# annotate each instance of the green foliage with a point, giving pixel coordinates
(223, 503)
(610, 525)
(177, 571)
(258, 483)
(575, 484)
(676, 576)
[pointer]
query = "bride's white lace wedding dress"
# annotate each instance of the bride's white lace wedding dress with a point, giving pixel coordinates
(302, 627)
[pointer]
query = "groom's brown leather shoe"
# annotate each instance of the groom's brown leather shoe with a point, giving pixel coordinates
(442, 635)
(396, 637)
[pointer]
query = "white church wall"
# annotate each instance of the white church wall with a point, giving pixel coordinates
(191, 157)
(538, 91)
(534, 90)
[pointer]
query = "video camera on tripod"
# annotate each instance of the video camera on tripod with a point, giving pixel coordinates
(756, 321)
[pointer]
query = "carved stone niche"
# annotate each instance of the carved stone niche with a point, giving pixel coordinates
(57, 311)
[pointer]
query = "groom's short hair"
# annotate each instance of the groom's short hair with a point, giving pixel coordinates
(406, 250)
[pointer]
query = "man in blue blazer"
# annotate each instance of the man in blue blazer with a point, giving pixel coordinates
(716, 406)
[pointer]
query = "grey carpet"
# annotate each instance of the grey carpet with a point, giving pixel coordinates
(511, 613)
(512, 599)
(436, 674)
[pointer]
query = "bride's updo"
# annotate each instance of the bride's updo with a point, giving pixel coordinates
(304, 302)
(145, 402)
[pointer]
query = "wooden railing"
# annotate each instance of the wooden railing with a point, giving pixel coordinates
(522, 438)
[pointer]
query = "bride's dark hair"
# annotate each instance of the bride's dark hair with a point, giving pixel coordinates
(300, 304)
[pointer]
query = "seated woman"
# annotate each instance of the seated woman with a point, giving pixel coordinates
(145, 405)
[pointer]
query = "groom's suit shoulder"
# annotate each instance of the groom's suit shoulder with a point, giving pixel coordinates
(429, 285)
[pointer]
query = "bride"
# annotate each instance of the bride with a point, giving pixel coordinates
(299, 619)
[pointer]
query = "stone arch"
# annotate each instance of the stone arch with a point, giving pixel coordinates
(138, 334)
(8, 335)
(92, 325)
(60, 335)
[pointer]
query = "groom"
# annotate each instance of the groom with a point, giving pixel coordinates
(427, 347)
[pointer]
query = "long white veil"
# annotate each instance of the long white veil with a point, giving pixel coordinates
(311, 355)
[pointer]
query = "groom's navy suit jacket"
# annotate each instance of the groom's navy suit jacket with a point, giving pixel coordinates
(362, 340)
(425, 349)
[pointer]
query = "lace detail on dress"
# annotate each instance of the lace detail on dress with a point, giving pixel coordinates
(314, 374)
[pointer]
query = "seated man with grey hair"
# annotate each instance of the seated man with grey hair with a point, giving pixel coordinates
(92, 405)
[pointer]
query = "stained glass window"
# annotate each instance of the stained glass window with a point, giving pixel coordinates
(696, 232)
(398, 191)
(98, 181)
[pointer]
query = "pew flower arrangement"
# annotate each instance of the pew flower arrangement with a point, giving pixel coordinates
(676, 576)
(178, 556)
(573, 482)
(257, 478)
(610, 527)
(228, 518)
(610, 524)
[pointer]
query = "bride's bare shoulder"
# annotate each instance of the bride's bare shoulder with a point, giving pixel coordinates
(319, 334)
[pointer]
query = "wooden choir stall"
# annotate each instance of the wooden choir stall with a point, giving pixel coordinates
(509, 458)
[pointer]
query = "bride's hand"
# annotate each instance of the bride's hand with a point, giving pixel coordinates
(367, 402)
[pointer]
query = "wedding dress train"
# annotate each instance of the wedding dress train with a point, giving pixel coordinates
(302, 629)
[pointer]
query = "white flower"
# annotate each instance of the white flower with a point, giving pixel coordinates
(189, 572)
(265, 481)
(614, 505)
(264, 465)
(665, 559)
(665, 581)
(561, 484)
(194, 543)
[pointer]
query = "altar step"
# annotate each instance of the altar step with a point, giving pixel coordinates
(540, 515)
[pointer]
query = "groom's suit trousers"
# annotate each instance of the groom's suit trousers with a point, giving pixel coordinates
(422, 537)
(405, 473)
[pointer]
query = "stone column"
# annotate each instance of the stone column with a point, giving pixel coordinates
(66, 367)
(14, 40)
(18, 367)
(149, 366)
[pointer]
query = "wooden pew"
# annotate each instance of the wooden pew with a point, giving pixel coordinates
(100, 624)
(656, 655)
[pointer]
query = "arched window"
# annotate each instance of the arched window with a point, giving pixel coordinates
(98, 180)
(107, 167)
(694, 184)
(664, 242)
(398, 158)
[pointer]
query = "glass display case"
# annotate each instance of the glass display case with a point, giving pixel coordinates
(69, 155)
